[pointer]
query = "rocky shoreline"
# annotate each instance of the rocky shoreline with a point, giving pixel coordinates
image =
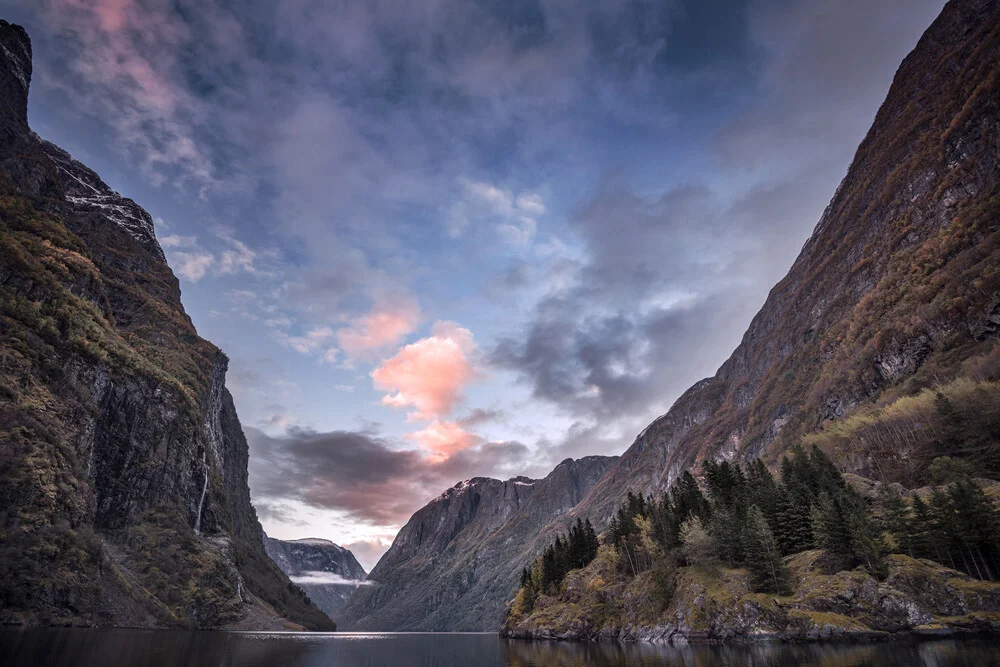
(918, 597)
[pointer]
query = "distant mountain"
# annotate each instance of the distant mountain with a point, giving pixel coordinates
(328, 573)
(457, 560)
(123, 465)
(880, 344)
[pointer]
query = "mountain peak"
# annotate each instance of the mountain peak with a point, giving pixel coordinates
(15, 77)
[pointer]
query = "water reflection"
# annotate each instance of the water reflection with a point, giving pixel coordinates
(127, 648)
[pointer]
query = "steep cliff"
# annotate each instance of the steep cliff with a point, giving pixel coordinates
(455, 563)
(897, 290)
(327, 572)
(123, 466)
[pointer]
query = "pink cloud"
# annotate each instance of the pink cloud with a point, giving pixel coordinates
(384, 326)
(443, 439)
(429, 375)
(112, 13)
(126, 70)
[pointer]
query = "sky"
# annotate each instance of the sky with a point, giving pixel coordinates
(445, 239)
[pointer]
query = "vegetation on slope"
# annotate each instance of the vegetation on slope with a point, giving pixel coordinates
(577, 549)
(793, 551)
(898, 440)
(57, 325)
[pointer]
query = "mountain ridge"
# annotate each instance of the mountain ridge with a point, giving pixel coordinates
(482, 530)
(123, 484)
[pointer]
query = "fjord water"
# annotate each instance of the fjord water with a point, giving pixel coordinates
(153, 648)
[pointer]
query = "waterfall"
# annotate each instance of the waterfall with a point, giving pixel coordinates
(204, 490)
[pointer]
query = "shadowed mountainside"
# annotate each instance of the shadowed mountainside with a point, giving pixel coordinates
(454, 564)
(123, 465)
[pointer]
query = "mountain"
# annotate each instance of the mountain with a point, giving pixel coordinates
(327, 572)
(123, 465)
(457, 560)
(896, 291)
(880, 344)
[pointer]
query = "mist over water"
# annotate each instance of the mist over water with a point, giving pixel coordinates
(164, 648)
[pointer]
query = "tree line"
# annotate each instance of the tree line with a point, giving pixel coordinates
(743, 516)
(571, 551)
(959, 527)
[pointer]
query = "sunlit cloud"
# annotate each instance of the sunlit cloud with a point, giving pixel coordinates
(429, 375)
(443, 439)
(383, 327)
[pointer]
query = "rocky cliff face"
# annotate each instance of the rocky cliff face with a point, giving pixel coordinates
(123, 469)
(896, 290)
(456, 562)
(327, 572)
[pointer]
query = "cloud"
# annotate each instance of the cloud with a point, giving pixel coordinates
(326, 578)
(191, 266)
(479, 416)
(429, 375)
(187, 256)
(363, 475)
(384, 326)
(515, 217)
(318, 341)
(666, 283)
(531, 203)
(176, 241)
(237, 257)
(443, 439)
(137, 85)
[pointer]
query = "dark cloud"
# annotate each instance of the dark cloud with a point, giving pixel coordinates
(479, 416)
(361, 474)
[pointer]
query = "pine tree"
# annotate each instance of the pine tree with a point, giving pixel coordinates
(830, 525)
(688, 499)
(591, 542)
(826, 475)
(942, 529)
(843, 525)
(762, 490)
(866, 543)
(728, 529)
(975, 523)
(896, 519)
(768, 571)
(793, 513)
(921, 531)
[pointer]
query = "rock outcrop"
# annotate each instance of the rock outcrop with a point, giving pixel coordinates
(123, 465)
(455, 563)
(917, 596)
(327, 572)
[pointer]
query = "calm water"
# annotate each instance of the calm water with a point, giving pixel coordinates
(125, 648)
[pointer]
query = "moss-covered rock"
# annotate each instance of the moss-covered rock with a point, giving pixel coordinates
(918, 596)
